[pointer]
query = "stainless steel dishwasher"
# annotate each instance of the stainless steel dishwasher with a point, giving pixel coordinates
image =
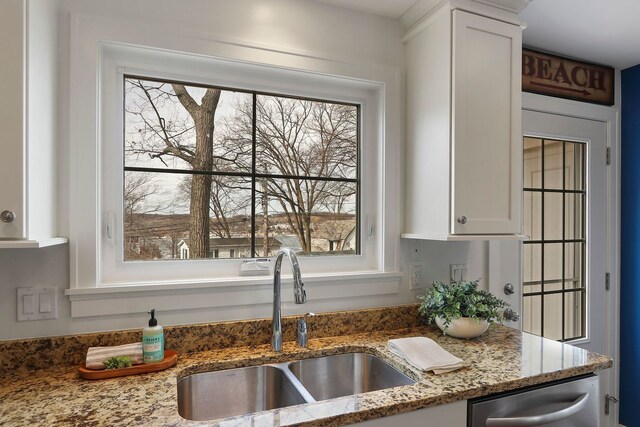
(566, 403)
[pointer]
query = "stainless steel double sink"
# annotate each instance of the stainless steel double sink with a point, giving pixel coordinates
(220, 394)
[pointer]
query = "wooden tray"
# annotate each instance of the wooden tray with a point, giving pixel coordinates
(170, 359)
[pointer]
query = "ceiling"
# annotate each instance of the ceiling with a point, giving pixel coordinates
(602, 31)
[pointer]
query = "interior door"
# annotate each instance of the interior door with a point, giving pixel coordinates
(558, 275)
(563, 262)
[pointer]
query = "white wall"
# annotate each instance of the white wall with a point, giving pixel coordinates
(301, 26)
(50, 267)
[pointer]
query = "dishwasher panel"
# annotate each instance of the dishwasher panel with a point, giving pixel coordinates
(572, 403)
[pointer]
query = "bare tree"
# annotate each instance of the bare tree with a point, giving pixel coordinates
(230, 204)
(339, 222)
(140, 201)
(188, 140)
(302, 138)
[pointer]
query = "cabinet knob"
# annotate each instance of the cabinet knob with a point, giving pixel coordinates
(511, 315)
(462, 219)
(7, 216)
(508, 289)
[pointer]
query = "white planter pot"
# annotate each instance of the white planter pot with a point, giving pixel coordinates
(464, 327)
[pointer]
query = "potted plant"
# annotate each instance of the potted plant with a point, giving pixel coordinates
(461, 309)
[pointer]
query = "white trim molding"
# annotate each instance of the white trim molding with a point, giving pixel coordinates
(101, 48)
(136, 298)
(31, 244)
(502, 10)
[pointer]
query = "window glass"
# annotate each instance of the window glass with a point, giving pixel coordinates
(220, 173)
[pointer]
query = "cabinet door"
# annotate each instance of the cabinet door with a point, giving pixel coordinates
(449, 415)
(12, 24)
(486, 141)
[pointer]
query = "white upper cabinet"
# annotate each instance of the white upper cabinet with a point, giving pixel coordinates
(12, 224)
(464, 144)
(28, 122)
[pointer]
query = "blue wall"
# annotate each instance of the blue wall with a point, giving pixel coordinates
(630, 250)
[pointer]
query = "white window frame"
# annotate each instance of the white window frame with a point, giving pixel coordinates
(101, 52)
(118, 60)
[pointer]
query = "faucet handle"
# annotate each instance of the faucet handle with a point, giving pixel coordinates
(302, 329)
(300, 294)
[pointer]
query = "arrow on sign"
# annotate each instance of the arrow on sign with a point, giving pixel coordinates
(580, 91)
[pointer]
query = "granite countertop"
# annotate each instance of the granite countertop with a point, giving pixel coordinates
(500, 360)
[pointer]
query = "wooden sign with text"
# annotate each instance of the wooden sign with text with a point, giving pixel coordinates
(566, 78)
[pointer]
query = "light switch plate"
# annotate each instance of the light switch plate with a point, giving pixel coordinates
(29, 304)
(37, 303)
(457, 272)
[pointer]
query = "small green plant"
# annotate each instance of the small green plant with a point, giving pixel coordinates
(117, 362)
(460, 299)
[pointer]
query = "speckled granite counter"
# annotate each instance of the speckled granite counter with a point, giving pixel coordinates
(501, 359)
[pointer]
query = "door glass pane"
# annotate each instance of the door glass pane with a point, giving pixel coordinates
(533, 162)
(554, 257)
(553, 316)
(531, 314)
(573, 306)
(552, 262)
(532, 214)
(553, 216)
(532, 263)
(574, 166)
(573, 265)
(552, 159)
(574, 216)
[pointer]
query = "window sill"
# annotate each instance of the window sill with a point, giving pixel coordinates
(32, 244)
(135, 298)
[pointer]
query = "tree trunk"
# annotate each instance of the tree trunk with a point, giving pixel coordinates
(203, 117)
(199, 218)
(307, 223)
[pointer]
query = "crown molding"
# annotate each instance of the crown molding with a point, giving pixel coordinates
(503, 10)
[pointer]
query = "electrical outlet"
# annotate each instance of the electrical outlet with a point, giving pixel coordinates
(457, 272)
(415, 279)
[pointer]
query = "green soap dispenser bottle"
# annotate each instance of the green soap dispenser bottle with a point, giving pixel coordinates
(153, 341)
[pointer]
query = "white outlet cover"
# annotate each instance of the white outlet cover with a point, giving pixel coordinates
(415, 283)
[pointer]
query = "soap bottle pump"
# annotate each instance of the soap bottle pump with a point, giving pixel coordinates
(153, 341)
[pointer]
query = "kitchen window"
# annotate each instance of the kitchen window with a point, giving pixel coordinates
(115, 257)
(217, 172)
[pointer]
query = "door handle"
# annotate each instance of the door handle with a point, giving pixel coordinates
(537, 420)
(511, 315)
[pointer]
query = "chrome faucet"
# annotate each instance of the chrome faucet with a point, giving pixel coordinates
(298, 292)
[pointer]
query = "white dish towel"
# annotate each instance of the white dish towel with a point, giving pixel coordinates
(425, 354)
(96, 356)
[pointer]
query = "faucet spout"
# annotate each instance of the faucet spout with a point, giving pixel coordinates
(299, 294)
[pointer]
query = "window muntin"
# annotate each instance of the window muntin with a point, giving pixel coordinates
(554, 263)
(283, 171)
